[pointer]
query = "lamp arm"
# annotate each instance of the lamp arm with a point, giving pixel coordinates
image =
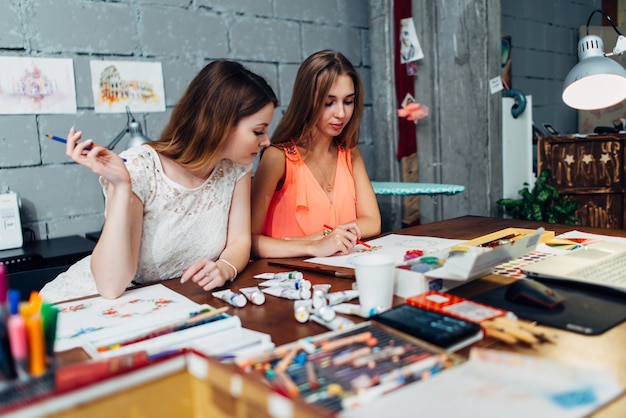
(118, 138)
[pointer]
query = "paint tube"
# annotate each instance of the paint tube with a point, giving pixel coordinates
(296, 284)
(301, 310)
(282, 292)
(343, 296)
(284, 275)
(326, 313)
(336, 324)
(236, 299)
(253, 294)
(352, 309)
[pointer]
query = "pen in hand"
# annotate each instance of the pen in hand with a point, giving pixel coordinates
(365, 244)
(64, 141)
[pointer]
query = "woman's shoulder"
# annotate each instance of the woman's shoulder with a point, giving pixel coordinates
(140, 155)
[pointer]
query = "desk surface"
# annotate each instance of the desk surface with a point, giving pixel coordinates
(275, 317)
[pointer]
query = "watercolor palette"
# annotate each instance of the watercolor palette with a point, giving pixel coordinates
(513, 267)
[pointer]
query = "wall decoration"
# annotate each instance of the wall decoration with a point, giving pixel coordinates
(410, 49)
(117, 84)
(36, 85)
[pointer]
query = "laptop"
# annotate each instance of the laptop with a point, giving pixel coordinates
(599, 263)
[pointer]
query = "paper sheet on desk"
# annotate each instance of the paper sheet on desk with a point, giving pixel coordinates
(98, 317)
(500, 384)
(394, 245)
(480, 262)
(572, 240)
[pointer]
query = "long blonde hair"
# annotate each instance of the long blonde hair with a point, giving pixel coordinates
(215, 101)
(315, 77)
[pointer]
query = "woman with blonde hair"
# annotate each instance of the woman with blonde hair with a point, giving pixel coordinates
(311, 195)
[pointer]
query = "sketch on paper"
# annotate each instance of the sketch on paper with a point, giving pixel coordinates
(117, 84)
(36, 86)
(137, 308)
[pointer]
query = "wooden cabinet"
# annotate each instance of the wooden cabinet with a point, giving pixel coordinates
(591, 171)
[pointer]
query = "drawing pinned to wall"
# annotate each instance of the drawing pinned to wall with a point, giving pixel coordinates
(410, 49)
(36, 86)
(117, 84)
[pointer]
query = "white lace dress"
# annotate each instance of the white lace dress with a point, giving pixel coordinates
(180, 225)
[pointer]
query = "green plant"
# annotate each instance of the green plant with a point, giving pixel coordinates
(542, 203)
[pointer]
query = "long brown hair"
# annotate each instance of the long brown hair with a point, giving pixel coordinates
(315, 77)
(215, 101)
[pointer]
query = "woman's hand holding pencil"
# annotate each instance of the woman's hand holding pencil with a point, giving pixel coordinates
(97, 158)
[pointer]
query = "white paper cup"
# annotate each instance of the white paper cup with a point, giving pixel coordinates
(375, 279)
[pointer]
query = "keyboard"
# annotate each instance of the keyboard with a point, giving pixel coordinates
(611, 272)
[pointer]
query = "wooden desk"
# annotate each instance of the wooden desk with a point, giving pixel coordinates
(275, 317)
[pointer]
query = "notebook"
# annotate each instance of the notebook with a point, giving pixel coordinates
(599, 263)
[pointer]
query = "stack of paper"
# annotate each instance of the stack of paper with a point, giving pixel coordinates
(153, 319)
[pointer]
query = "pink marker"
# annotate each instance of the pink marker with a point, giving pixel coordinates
(17, 335)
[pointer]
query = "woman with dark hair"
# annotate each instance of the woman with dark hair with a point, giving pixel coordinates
(311, 195)
(178, 206)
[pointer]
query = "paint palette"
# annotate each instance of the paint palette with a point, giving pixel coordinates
(513, 267)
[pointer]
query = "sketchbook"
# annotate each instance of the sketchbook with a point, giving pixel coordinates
(135, 322)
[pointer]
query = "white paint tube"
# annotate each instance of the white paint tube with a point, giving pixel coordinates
(352, 309)
(236, 299)
(284, 275)
(253, 294)
(296, 284)
(282, 292)
(343, 296)
(336, 324)
(301, 310)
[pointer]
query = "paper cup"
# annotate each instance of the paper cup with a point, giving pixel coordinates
(375, 279)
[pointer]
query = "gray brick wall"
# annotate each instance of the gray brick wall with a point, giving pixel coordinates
(271, 37)
(544, 37)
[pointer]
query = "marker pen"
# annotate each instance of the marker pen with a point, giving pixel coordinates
(17, 335)
(7, 366)
(236, 299)
(37, 345)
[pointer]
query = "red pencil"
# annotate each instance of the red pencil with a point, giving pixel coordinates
(365, 244)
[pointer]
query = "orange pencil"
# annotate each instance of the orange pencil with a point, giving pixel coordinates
(365, 244)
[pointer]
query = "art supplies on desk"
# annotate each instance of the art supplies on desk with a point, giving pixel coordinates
(501, 384)
(436, 328)
(496, 323)
(342, 370)
(152, 318)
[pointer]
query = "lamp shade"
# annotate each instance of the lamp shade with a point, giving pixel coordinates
(596, 82)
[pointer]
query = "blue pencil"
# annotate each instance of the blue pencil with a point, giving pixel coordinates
(63, 140)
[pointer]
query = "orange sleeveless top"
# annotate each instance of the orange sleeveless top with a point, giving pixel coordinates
(302, 206)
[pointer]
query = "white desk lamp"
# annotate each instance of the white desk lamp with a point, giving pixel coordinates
(596, 82)
(134, 129)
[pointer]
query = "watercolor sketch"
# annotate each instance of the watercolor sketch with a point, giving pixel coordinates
(99, 317)
(36, 86)
(117, 84)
